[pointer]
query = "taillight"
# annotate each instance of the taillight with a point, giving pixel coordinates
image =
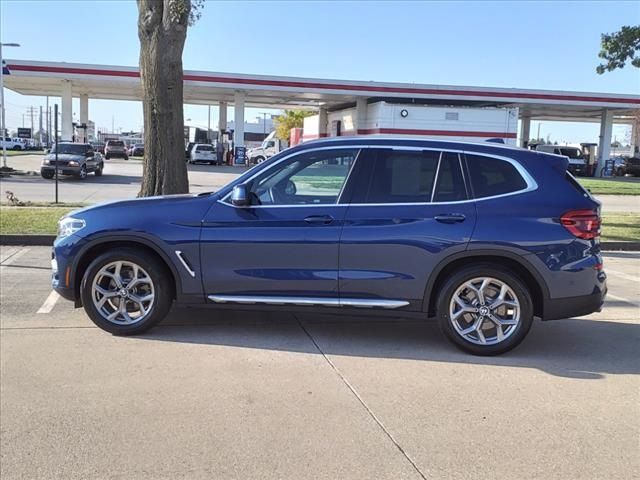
(583, 224)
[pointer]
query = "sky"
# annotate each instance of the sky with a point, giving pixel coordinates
(539, 45)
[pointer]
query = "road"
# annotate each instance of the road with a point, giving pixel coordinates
(122, 180)
(262, 395)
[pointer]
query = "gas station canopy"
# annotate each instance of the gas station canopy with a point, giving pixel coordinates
(208, 88)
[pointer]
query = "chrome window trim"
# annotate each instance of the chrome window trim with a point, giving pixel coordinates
(184, 263)
(531, 183)
(435, 179)
(286, 157)
(322, 301)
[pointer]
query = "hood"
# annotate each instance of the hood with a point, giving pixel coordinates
(65, 157)
(147, 202)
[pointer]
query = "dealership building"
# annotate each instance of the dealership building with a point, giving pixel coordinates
(363, 107)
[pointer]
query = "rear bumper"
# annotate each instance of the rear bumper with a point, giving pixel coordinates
(558, 308)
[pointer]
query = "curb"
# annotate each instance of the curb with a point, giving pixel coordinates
(47, 240)
(29, 240)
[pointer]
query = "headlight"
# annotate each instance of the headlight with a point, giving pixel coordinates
(45, 162)
(73, 163)
(69, 225)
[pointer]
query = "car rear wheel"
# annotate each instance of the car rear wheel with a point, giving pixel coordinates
(485, 309)
(98, 171)
(126, 157)
(126, 292)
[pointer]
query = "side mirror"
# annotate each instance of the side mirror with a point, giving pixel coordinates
(240, 196)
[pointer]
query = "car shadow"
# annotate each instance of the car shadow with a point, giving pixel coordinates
(106, 179)
(574, 348)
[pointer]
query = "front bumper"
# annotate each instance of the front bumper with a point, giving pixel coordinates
(62, 169)
(63, 253)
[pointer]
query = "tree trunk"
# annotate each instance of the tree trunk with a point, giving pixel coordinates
(162, 29)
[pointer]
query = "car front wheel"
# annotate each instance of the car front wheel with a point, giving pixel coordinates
(126, 292)
(485, 309)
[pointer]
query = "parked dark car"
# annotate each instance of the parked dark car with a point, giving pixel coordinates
(77, 159)
(630, 166)
(98, 147)
(115, 149)
(484, 238)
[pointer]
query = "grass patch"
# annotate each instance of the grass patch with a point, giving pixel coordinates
(617, 227)
(621, 227)
(599, 186)
(31, 220)
(16, 153)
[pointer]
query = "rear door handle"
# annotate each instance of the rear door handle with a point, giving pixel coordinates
(319, 219)
(450, 218)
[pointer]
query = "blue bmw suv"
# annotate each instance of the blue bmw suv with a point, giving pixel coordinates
(482, 237)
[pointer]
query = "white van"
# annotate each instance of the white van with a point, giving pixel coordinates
(577, 160)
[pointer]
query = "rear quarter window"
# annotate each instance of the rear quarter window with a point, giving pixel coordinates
(492, 176)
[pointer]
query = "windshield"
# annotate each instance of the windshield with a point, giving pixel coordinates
(115, 144)
(70, 148)
(571, 153)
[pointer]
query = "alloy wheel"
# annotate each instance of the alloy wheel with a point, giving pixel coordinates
(484, 311)
(123, 292)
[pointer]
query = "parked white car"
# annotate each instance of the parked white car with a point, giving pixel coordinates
(12, 143)
(203, 152)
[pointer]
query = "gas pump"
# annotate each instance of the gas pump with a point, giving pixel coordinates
(589, 151)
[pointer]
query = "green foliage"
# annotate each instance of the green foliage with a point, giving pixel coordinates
(288, 120)
(619, 47)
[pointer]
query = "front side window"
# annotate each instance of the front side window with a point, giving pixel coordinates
(399, 176)
(310, 178)
(492, 176)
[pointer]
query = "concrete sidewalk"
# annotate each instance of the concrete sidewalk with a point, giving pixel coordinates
(231, 394)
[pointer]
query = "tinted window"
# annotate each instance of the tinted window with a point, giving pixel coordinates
(571, 152)
(115, 143)
(205, 148)
(70, 148)
(490, 176)
(399, 177)
(308, 178)
(450, 183)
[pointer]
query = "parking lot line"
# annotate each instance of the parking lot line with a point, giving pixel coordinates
(49, 303)
(622, 299)
(626, 276)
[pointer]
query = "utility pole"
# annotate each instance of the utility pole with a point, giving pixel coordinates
(40, 128)
(208, 122)
(47, 123)
(3, 126)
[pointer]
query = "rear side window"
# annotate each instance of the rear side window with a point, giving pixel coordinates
(399, 177)
(492, 176)
(450, 183)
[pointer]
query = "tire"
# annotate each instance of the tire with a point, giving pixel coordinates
(83, 172)
(98, 171)
(461, 332)
(126, 157)
(259, 160)
(47, 175)
(160, 286)
(107, 156)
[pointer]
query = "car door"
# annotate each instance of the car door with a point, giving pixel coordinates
(284, 247)
(408, 211)
(90, 159)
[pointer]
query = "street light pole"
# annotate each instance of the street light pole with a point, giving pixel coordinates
(3, 126)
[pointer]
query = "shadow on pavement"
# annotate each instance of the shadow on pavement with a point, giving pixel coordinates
(573, 348)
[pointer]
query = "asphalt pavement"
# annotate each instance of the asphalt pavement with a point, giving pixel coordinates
(122, 179)
(237, 394)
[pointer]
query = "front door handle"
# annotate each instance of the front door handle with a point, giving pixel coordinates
(319, 219)
(450, 218)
